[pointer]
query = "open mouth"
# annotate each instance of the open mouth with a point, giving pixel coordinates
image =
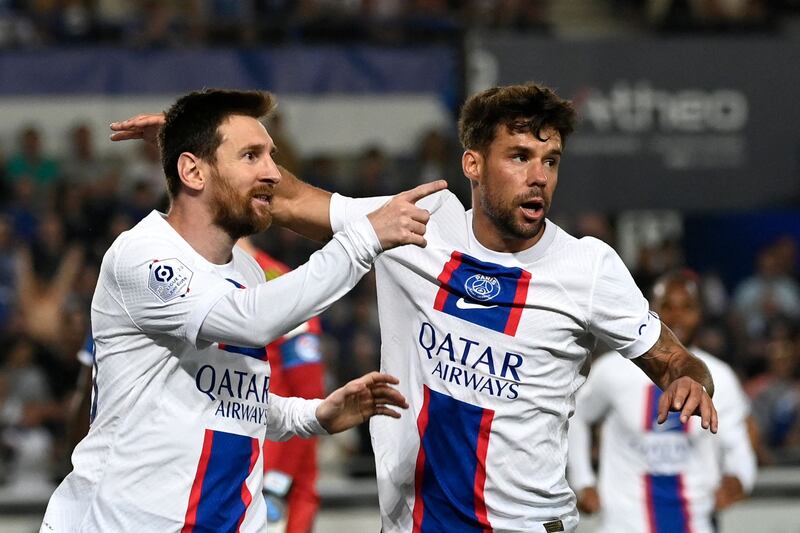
(265, 199)
(533, 209)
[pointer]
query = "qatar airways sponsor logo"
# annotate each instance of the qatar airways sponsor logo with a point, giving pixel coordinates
(664, 453)
(238, 394)
(639, 107)
(468, 363)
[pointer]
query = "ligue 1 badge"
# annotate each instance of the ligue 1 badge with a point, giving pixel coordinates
(168, 279)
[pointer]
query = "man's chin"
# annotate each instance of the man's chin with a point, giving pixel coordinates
(262, 224)
(529, 230)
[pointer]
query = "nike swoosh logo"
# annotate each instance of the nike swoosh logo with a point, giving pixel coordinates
(463, 304)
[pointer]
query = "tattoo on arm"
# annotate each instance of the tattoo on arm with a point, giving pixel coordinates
(669, 360)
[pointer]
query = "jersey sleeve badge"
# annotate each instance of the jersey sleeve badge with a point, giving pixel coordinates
(169, 279)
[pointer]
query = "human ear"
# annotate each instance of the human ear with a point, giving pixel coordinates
(189, 171)
(471, 164)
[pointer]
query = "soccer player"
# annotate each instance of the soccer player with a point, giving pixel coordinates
(180, 321)
(489, 325)
(653, 478)
(297, 369)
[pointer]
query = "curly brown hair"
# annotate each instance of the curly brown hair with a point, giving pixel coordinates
(528, 107)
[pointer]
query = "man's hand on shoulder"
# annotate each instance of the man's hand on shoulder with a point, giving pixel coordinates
(400, 221)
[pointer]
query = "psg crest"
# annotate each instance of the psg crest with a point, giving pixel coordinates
(482, 288)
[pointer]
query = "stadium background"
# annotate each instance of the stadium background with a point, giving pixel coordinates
(688, 155)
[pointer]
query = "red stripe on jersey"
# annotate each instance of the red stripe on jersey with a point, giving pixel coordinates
(444, 279)
(247, 498)
(684, 504)
(520, 297)
(648, 499)
(197, 485)
(422, 425)
(480, 472)
(649, 398)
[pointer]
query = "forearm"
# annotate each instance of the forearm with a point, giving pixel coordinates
(685, 364)
(289, 417)
(258, 315)
(669, 360)
(302, 208)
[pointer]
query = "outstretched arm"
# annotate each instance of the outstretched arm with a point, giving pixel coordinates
(301, 207)
(346, 407)
(297, 205)
(360, 400)
(684, 378)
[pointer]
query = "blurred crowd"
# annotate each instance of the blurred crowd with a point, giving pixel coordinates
(161, 23)
(58, 215)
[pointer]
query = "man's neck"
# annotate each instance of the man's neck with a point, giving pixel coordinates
(197, 228)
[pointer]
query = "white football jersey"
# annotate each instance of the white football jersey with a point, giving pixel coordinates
(657, 478)
(488, 347)
(175, 444)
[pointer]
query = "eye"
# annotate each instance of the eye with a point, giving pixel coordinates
(250, 156)
(520, 158)
(551, 162)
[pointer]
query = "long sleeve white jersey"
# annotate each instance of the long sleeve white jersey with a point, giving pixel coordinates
(657, 478)
(182, 377)
(488, 348)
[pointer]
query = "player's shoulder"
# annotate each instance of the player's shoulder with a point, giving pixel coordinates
(441, 201)
(150, 232)
(588, 245)
(566, 243)
(150, 241)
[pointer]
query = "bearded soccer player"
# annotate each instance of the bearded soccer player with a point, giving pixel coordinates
(489, 325)
(653, 478)
(180, 321)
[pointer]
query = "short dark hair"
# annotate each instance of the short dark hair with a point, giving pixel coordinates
(192, 125)
(520, 108)
(682, 276)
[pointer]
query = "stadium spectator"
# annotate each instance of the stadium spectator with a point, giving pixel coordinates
(8, 275)
(775, 395)
(82, 165)
(770, 293)
(31, 162)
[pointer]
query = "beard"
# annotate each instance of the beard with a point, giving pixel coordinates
(504, 213)
(233, 212)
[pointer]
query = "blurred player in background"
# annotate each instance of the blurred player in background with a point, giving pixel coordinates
(489, 325)
(180, 320)
(290, 467)
(668, 478)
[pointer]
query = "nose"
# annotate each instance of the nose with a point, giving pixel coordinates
(537, 174)
(270, 172)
